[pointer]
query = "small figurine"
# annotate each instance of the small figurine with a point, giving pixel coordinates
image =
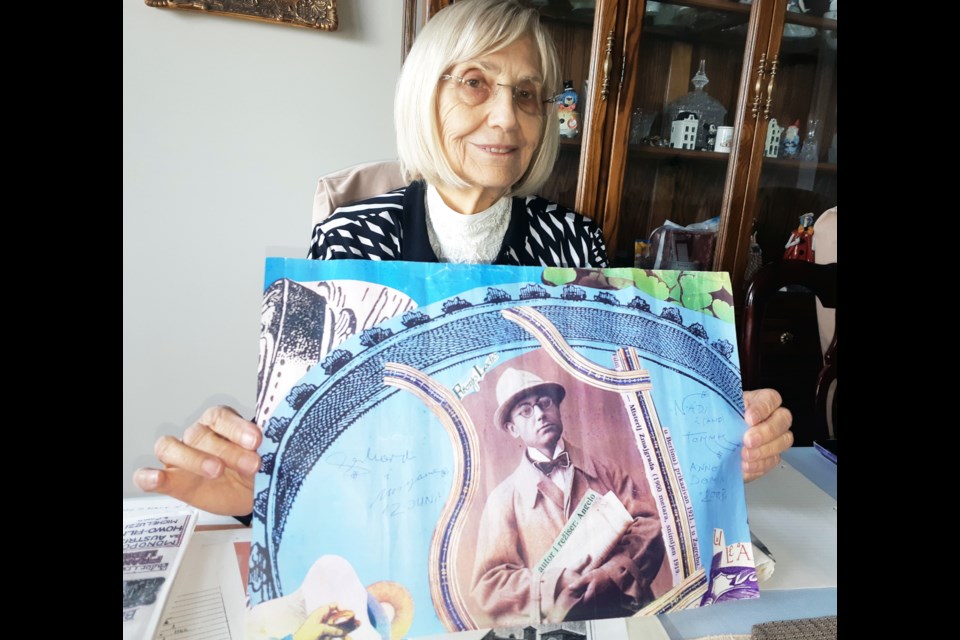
(710, 141)
(567, 111)
(774, 133)
(683, 130)
(790, 145)
(800, 244)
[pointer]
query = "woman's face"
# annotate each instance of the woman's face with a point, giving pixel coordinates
(490, 145)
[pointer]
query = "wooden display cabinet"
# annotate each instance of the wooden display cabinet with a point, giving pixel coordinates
(762, 61)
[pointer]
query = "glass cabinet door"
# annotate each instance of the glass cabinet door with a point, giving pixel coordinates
(572, 24)
(676, 102)
(718, 100)
(680, 102)
(799, 169)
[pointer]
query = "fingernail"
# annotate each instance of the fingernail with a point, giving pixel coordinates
(248, 440)
(250, 464)
(211, 467)
(148, 479)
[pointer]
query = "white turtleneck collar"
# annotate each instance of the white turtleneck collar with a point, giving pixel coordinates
(473, 239)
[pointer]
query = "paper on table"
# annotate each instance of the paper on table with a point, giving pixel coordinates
(646, 628)
(763, 558)
(155, 539)
(208, 598)
(798, 522)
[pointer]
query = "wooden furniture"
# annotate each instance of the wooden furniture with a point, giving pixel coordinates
(781, 343)
(762, 62)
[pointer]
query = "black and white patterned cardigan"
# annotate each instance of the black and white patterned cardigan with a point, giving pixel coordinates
(393, 226)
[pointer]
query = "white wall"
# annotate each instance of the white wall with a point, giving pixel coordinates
(227, 124)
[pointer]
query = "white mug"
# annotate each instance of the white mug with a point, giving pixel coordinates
(724, 140)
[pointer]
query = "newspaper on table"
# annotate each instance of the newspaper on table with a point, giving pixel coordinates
(155, 538)
(432, 430)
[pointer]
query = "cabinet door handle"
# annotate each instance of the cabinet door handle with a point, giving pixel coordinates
(773, 75)
(786, 337)
(758, 87)
(607, 67)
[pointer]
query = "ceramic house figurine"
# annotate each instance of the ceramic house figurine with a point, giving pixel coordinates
(790, 146)
(567, 111)
(774, 134)
(683, 131)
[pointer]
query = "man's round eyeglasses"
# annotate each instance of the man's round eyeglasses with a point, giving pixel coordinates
(476, 89)
(526, 409)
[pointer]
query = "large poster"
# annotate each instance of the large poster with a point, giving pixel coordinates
(452, 447)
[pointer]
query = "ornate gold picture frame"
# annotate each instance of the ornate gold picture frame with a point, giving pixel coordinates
(311, 14)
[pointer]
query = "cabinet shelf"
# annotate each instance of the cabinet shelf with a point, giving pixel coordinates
(563, 12)
(716, 5)
(786, 163)
(713, 16)
(743, 10)
(811, 21)
(647, 152)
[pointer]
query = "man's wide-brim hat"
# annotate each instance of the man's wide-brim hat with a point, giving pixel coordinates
(517, 383)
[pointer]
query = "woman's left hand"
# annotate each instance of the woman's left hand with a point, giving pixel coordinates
(768, 433)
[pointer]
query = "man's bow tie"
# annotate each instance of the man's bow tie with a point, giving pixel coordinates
(562, 461)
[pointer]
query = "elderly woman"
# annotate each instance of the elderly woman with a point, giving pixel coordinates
(477, 137)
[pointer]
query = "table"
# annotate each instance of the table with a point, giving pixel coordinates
(773, 604)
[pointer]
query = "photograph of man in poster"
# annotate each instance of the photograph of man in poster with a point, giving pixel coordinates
(527, 510)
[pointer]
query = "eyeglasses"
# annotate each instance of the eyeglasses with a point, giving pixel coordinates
(476, 88)
(526, 409)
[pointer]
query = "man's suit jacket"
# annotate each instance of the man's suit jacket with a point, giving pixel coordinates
(520, 522)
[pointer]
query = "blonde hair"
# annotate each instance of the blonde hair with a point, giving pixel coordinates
(463, 31)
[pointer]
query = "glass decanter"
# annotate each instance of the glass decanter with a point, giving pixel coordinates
(810, 151)
(707, 108)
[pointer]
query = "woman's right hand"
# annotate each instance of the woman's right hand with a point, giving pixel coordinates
(212, 467)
